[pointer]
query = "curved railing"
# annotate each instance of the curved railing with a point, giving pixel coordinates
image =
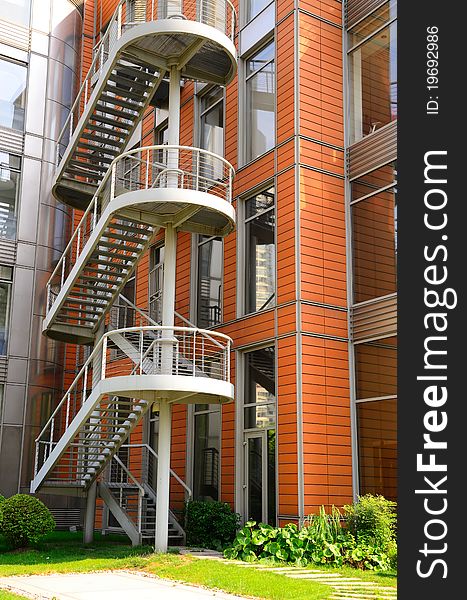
(191, 353)
(219, 14)
(152, 167)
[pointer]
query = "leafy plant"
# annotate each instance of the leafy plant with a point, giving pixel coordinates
(25, 520)
(2, 500)
(372, 520)
(210, 524)
(322, 540)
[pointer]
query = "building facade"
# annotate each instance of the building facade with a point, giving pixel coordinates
(304, 108)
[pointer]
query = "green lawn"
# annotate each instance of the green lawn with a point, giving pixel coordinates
(64, 552)
(9, 596)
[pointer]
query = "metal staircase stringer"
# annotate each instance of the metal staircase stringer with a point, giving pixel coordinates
(118, 512)
(84, 120)
(172, 518)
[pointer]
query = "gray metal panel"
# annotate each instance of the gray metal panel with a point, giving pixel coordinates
(373, 151)
(374, 319)
(15, 35)
(11, 140)
(10, 453)
(7, 252)
(67, 517)
(355, 10)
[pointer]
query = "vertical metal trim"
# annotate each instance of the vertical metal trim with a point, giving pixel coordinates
(298, 273)
(349, 266)
(238, 434)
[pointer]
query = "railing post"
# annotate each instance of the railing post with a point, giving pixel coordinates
(36, 458)
(62, 281)
(67, 418)
(48, 296)
(194, 352)
(140, 509)
(94, 216)
(147, 169)
(104, 357)
(112, 181)
(119, 23)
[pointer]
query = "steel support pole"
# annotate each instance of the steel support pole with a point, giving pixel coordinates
(163, 477)
(167, 341)
(90, 514)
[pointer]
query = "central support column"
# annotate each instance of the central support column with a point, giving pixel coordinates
(168, 310)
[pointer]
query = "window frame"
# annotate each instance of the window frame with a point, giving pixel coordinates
(24, 66)
(194, 283)
(243, 117)
(18, 171)
(200, 113)
(241, 300)
(8, 280)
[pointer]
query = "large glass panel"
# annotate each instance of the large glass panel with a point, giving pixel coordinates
(377, 447)
(255, 479)
(260, 252)
(12, 94)
(372, 23)
(5, 289)
(156, 280)
(210, 258)
(373, 83)
(9, 187)
(255, 6)
(16, 11)
(206, 455)
(376, 368)
(260, 389)
(212, 121)
(260, 124)
(374, 246)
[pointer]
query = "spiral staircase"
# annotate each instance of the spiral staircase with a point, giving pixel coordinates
(127, 196)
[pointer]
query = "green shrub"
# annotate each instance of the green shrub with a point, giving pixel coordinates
(25, 520)
(210, 524)
(2, 500)
(372, 521)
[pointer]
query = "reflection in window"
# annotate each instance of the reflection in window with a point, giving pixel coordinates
(377, 445)
(212, 121)
(16, 11)
(373, 73)
(260, 251)
(10, 166)
(207, 431)
(156, 280)
(260, 129)
(6, 277)
(12, 94)
(210, 257)
(260, 390)
(376, 368)
(254, 7)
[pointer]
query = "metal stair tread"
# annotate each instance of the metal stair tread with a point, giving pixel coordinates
(106, 140)
(116, 101)
(134, 95)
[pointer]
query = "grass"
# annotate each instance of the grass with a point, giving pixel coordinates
(4, 595)
(63, 552)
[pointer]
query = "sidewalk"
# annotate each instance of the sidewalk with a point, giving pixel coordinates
(116, 585)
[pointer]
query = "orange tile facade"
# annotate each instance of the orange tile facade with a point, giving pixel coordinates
(308, 325)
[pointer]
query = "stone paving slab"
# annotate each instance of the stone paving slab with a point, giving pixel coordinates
(115, 585)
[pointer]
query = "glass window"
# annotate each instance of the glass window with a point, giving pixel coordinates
(10, 166)
(12, 94)
(207, 434)
(253, 7)
(376, 368)
(156, 280)
(6, 277)
(260, 390)
(377, 447)
(212, 121)
(209, 286)
(260, 126)
(260, 251)
(16, 11)
(373, 72)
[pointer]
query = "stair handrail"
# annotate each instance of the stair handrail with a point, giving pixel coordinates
(117, 17)
(141, 490)
(127, 471)
(94, 204)
(85, 85)
(156, 456)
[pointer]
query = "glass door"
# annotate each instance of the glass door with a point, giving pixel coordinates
(260, 476)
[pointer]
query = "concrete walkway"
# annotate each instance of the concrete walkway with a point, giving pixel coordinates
(116, 585)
